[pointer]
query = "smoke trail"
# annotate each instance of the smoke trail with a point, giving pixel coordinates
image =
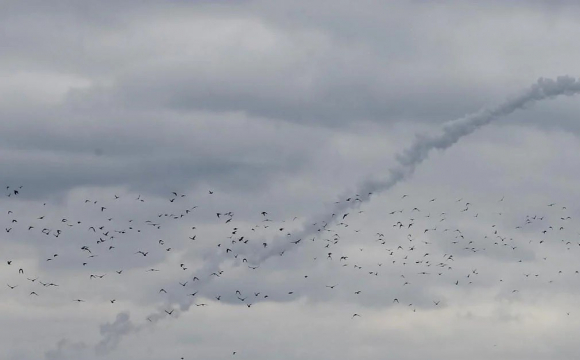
(113, 332)
(407, 161)
(450, 134)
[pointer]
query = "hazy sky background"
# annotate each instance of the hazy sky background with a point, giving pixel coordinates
(284, 106)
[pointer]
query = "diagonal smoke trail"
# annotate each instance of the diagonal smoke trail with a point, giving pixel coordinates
(450, 133)
(407, 161)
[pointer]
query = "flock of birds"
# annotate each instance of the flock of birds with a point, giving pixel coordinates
(418, 245)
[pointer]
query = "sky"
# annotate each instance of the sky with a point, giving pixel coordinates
(298, 109)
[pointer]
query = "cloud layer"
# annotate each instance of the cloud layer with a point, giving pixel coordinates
(288, 107)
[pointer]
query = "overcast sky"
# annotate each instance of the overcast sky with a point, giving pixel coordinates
(286, 107)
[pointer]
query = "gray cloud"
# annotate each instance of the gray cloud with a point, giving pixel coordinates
(280, 107)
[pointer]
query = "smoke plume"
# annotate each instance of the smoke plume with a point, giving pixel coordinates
(407, 161)
(410, 158)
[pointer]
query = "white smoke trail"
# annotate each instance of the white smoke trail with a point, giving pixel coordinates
(407, 161)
